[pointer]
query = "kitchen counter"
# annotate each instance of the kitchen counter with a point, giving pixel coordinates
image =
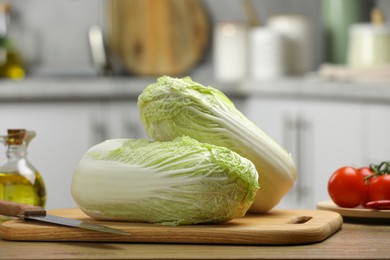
(66, 88)
(353, 241)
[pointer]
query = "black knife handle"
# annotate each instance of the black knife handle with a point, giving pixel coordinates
(14, 209)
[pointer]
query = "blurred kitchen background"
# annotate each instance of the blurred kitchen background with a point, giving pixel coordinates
(314, 75)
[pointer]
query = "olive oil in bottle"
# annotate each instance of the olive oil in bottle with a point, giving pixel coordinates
(15, 187)
(19, 180)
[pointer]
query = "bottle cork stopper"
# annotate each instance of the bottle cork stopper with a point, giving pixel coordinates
(16, 136)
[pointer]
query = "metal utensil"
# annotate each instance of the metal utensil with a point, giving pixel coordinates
(98, 50)
(23, 211)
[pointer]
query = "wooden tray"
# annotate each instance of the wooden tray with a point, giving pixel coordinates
(359, 212)
(276, 227)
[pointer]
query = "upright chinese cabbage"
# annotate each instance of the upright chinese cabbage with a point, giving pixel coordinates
(172, 183)
(173, 107)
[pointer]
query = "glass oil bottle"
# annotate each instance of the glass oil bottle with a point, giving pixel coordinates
(11, 65)
(19, 180)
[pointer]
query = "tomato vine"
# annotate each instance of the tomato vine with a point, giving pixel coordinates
(379, 169)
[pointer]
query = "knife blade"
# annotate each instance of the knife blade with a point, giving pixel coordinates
(23, 211)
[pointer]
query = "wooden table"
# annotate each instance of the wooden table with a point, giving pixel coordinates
(353, 241)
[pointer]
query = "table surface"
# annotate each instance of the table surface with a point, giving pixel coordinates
(353, 241)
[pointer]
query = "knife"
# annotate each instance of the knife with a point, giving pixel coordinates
(23, 211)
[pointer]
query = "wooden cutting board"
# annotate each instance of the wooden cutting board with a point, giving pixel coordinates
(278, 227)
(164, 37)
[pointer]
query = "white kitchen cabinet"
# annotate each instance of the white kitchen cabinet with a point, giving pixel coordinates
(321, 135)
(65, 130)
(376, 128)
(123, 120)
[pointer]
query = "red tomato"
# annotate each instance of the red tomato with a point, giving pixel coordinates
(379, 188)
(347, 188)
(366, 171)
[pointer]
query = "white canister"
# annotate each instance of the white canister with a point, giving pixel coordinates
(267, 57)
(369, 46)
(296, 30)
(230, 51)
